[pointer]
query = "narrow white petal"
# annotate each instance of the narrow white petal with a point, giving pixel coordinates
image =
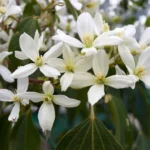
(119, 71)
(13, 10)
(49, 71)
(85, 26)
(95, 93)
(144, 58)
(57, 63)
(24, 71)
(146, 80)
(48, 88)
(66, 80)
(89, 51)
(25, 102)
(81, 80)
(100, 63)
(65, 101)
(28, 46)
(14, 115)
(76, 4)
(129, 30)
(145, 38)
(4, 55)
(6, 95)
(40, 41)
(36, 36)
(46, 116)
(33, 96)
(107, 41)
(126, 56)
(119, 81)
(98, 23)
(68, 40)
(54, 51)
(68, 55)
(22, 84)
(84, 64)
(6, 74)
(20, 55)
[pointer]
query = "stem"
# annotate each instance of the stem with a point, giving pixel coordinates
(92, 114)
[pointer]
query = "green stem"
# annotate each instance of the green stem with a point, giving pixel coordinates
(92, 114)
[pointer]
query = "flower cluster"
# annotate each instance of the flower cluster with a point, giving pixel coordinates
(78, 59)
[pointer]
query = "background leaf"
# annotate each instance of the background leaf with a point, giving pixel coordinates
(89, 135)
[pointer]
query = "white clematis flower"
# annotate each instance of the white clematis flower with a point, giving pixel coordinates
(86, 32)
(31, 49)
(8, 96)
(100, 68)
(4, 72)
(46, 115)
(139, 70)
(70, 65)
(9, 8)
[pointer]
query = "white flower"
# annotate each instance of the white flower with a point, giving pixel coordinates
(100, 68)
(8, 96)
(46, 115)
(4, 72)
(8, 8)
(31, 49)
(39, 42)
(139, 70)
(86, 32)
(70, 65)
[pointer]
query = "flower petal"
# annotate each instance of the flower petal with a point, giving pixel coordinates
(48, 88)
(46, 116)
(119, 81)
(84, 64)
(14, 115)
(126, 56)
(33, 96)
(20, 55)
(95, 93)
(119, 71)
(28, 46)
(57, 63)
(76, 4)
(6, 95)
(6, 74)
(98, 23)
(68, 55)
(100, 63)
(4, 55)
(22, 84)
(144, 58)
(85, 25)
(68, 40)
(89, 51)
(107, 41)
(53, 52)
(146, 80)
(66, 80)
(49, 71)
(65, 101)
(81, 80)
(24, 71)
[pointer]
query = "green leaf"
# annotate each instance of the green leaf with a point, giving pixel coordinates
(5, 127)
(25, 135)
(142, 142)
(89, 135)
(124, 132)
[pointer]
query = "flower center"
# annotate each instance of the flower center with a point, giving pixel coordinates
(106, 27)
(143, 47)
(2, 10)
(88, 40)
(16, 99)
(91, 5)
(100, 79)
(70, 68)
(140, 71)
(39, 61)
(121, 33)
(48, 98)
